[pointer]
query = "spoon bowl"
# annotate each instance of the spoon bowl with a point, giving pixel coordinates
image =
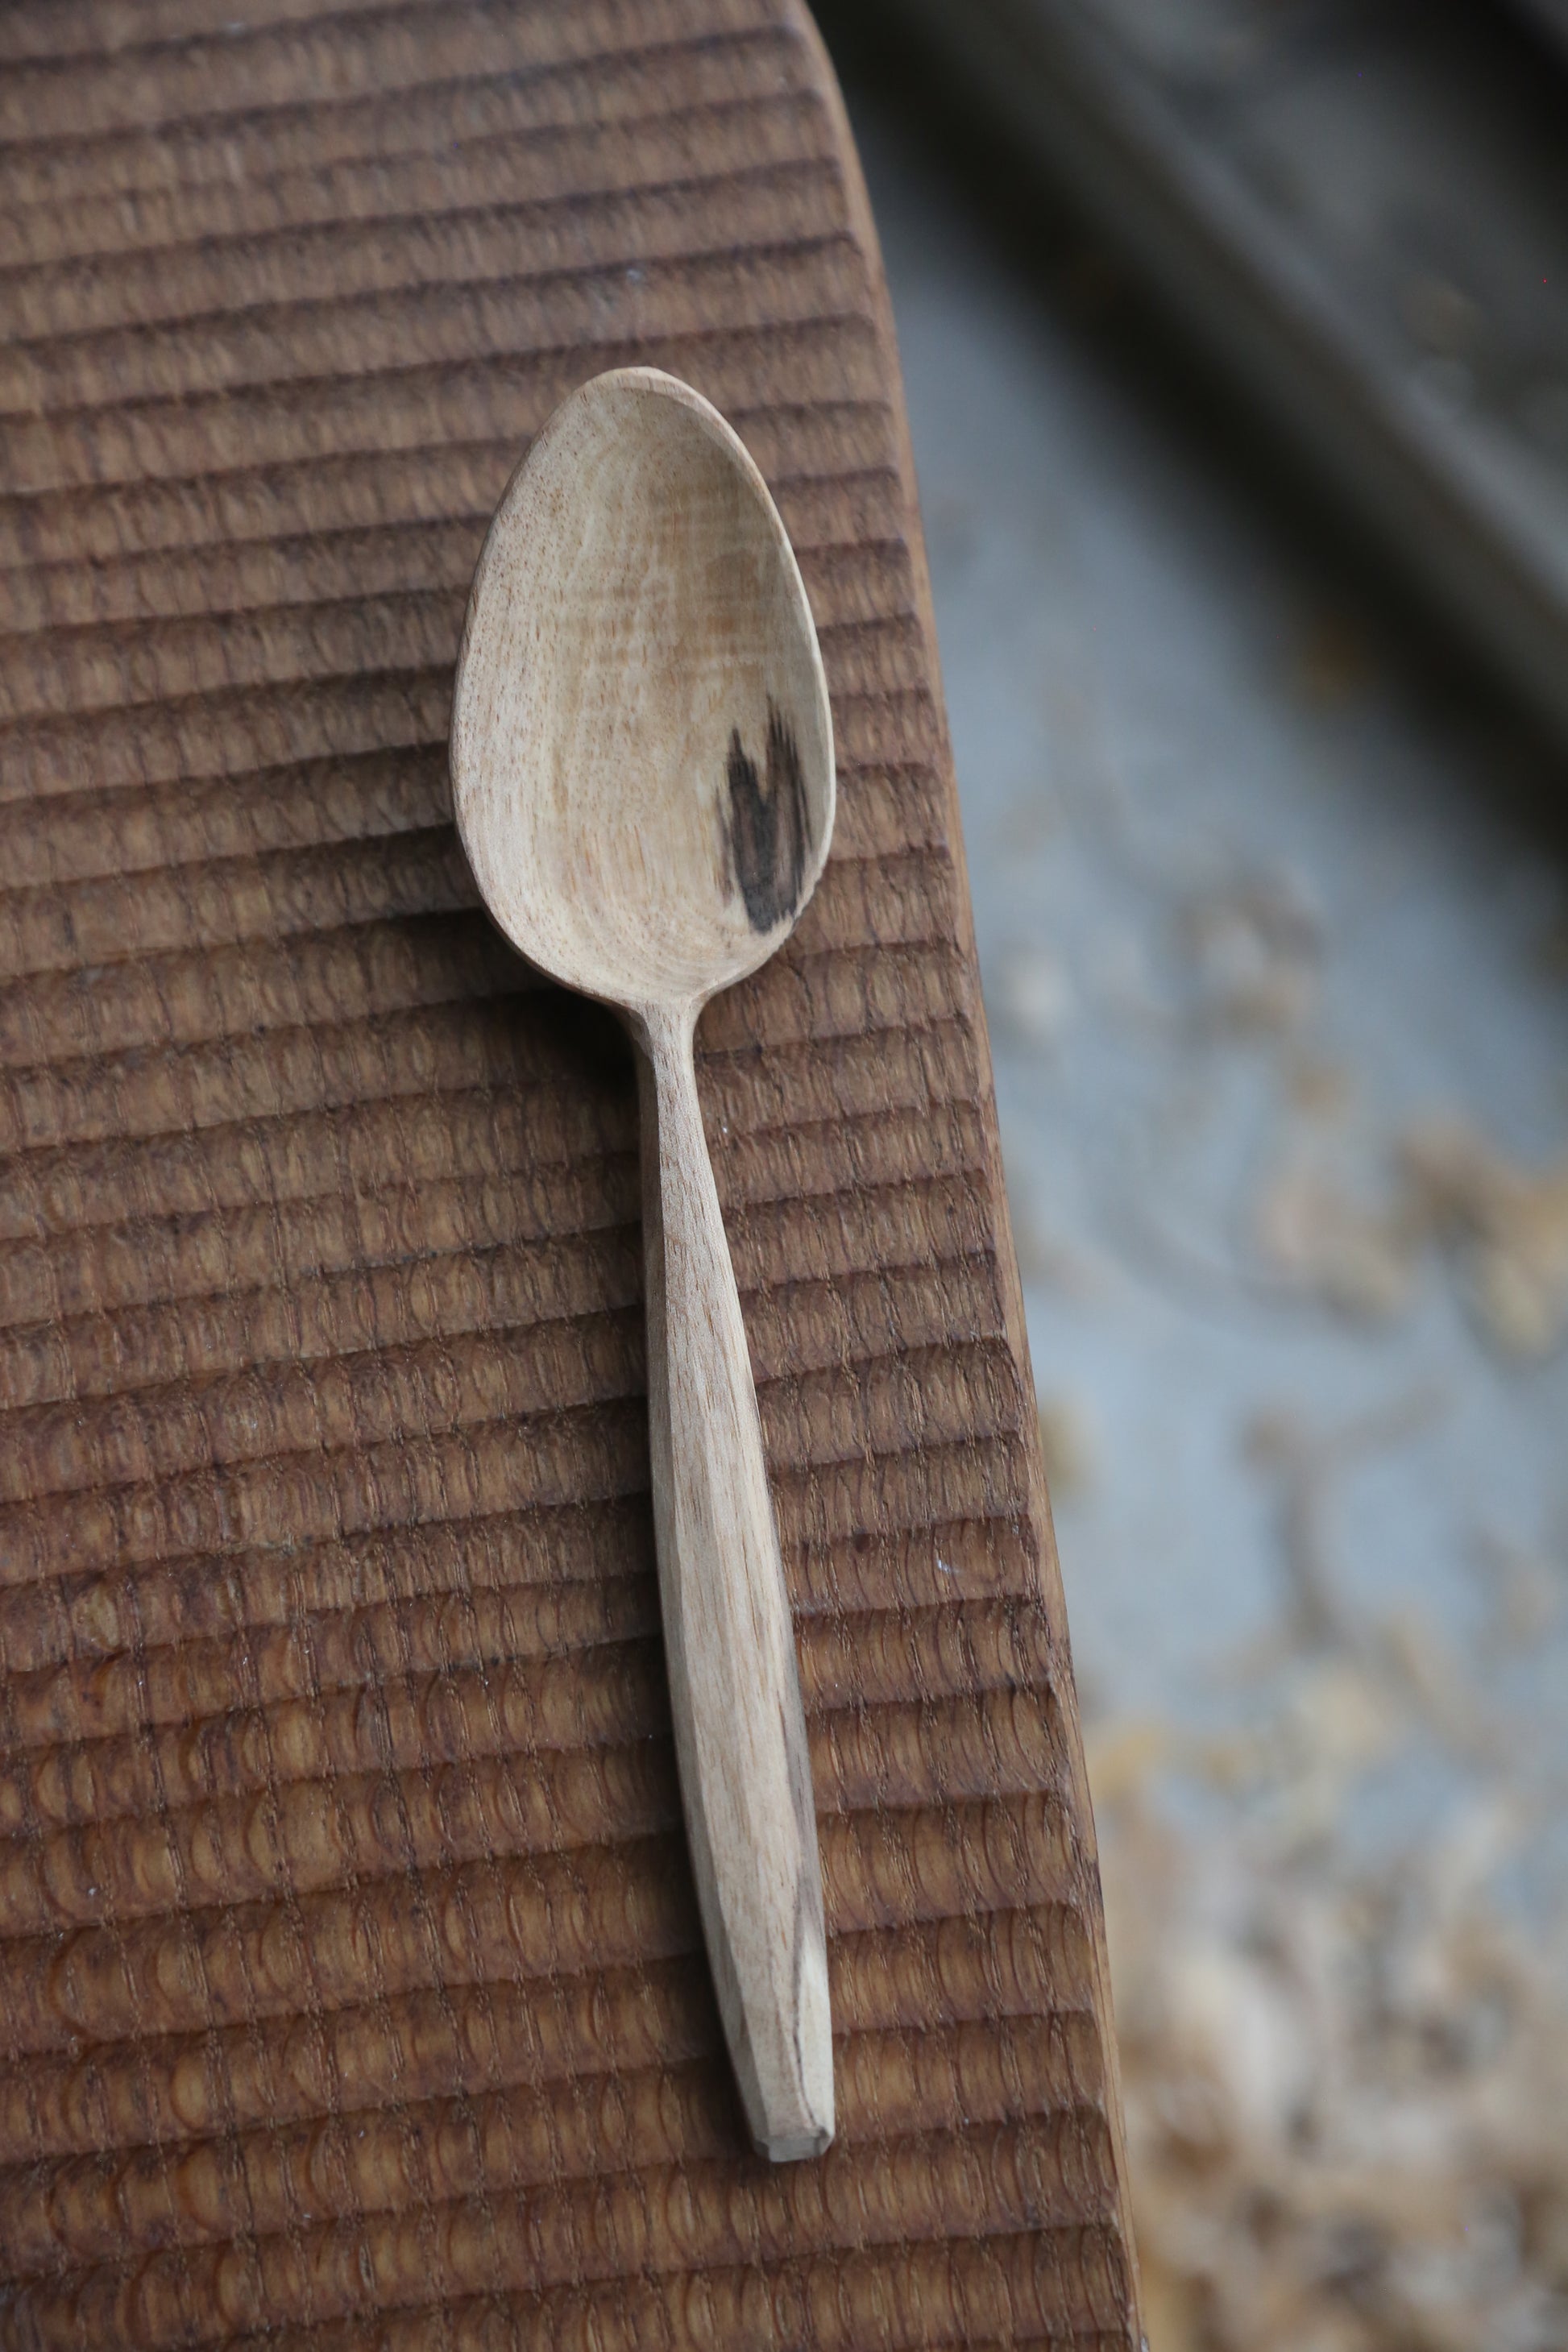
(642, 769)
(642, 752)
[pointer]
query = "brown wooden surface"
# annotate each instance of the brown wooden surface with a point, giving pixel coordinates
(350, 1981)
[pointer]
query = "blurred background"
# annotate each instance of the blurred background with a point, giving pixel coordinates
(1236, 337)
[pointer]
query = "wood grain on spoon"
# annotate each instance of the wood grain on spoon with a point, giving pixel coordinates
(642, 766)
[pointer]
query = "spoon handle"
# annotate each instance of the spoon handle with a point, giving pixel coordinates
(739, 1730)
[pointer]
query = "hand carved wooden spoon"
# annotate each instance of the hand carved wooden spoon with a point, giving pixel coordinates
(642, 764)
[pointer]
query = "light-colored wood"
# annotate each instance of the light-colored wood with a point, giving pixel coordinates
(642, 767)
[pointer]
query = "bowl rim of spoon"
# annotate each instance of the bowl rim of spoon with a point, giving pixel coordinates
(654, 383)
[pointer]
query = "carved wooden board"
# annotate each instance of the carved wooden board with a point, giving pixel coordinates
(351, 1987)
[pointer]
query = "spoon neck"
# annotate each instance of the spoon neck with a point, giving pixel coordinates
(665, 1032)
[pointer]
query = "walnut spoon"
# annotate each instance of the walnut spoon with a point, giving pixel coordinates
(642, 767)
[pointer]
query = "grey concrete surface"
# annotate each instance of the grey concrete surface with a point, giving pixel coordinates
(1251, 915)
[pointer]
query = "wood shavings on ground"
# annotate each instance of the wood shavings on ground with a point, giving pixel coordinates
(1506, 1227)
(1502, 1228)
(1256, 949)
(1345, 2062)
(1362, 1261)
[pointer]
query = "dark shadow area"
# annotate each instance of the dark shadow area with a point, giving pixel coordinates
(898, 89)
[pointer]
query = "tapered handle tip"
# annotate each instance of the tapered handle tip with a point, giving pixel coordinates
(789, 2101)
(794, 2147)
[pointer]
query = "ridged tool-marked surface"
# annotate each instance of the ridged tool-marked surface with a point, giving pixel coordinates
(351, 1986)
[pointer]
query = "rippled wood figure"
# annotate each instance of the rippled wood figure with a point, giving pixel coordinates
(642, 766)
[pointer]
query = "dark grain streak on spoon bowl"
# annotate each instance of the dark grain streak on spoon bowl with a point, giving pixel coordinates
(766, 833)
